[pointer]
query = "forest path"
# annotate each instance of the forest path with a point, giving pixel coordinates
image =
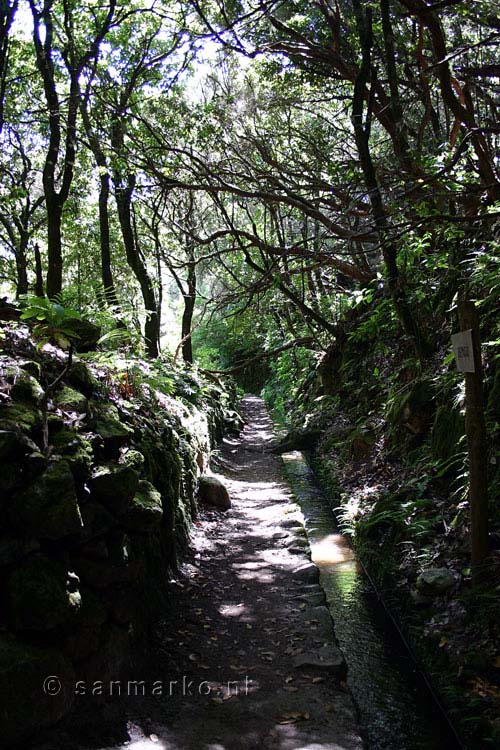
(247, 610)
(246, 657)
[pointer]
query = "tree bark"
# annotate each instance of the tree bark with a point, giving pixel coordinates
(38, 272)
(123, 197)
(476, 441)
(187, 315)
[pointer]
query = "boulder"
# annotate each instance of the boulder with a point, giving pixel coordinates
(48, 508)
(435, 581)
(114, 485)
(41, 595)
(212, 492)
(28, 701)
(145, 511)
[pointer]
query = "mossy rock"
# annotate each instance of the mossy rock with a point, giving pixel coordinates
(77, 451)
(134, 459)
(447, 433)
(41, 595)
(48, 508)
(26, 416)
(107, 424)
(145, 511)
(80, 377)
(24, 386)
(68, 399)
(114, 485)
(25, 706)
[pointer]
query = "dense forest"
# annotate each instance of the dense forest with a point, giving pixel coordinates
(305, 197)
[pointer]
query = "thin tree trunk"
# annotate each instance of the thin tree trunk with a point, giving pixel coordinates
(22, 266)
(187, 316)
(123, 196)
(38, 272)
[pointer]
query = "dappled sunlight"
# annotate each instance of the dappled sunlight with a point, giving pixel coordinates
(331, 550)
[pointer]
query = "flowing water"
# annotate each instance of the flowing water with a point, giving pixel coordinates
(397, 711)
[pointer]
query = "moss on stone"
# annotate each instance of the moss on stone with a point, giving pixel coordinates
(114, 485)
(39, 595)
(145, 511)
(70, 399)
(48, 508)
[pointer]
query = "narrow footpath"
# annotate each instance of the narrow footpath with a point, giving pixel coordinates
(247, 658)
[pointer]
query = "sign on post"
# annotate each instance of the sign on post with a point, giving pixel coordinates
(463, 351)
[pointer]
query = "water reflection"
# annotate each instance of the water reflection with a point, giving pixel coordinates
(396, 710)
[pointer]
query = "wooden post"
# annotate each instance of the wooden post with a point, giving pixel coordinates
(476, 441)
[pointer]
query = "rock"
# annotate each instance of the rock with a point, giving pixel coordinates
(47, 509)
(211, 491)
(435, 581)
(109, 662)
(328, 658)
(233, 422)
(25, 706)
(145, 511)
(320, 619)
(97, 521)
(316, 598)
(114, 485)
(84, 638)
(41, 595)
(81, 378)
(27, 417)
(106, 422)
(68, 399)
(24, 386)
(87, 334)
(77, 451)
(134, 459)
(101, 574)
(307, 573)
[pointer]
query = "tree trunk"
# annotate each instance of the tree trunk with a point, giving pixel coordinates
(476, 441)
(54, 245)
(22, 266)
(38, 272)
(123, 196)
(106, 270)
(187, 316)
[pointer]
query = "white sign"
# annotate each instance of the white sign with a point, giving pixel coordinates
(463, 351)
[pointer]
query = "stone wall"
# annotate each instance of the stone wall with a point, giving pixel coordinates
(90, 525)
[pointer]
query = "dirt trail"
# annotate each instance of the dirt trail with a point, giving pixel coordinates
(247, 657)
